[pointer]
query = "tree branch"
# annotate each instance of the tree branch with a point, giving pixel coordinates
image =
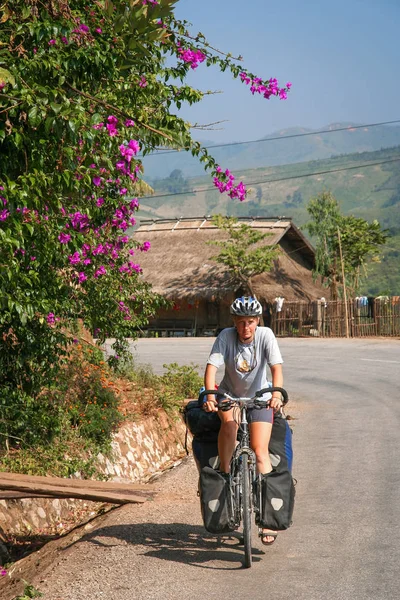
(207, 45)
(209, 125)
(117, 110)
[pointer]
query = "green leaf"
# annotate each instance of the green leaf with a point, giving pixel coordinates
(56, 107)
(48, 124)
(32, 114)
(6, 76)
(72, 126)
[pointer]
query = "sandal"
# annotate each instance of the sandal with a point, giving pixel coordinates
(267, 533)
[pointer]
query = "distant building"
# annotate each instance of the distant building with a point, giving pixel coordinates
(179, 266)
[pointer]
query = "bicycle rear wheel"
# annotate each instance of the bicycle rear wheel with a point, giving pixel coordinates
(246, 508)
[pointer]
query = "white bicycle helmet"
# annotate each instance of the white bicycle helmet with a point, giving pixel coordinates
(246, 306)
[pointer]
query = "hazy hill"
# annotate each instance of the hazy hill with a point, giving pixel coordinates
(273, 150)
(371, 192)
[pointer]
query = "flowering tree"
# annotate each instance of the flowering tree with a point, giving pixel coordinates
(85, 90)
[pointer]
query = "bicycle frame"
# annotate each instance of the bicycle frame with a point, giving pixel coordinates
(243, 447)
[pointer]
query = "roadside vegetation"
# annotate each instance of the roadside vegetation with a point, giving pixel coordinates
(62, 431)
(87, 90)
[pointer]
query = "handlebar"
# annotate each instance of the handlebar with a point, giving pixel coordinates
(255, 400)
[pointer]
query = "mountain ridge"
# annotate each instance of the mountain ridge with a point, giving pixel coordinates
(281, 150)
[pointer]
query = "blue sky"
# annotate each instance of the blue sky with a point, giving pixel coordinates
(342, 58)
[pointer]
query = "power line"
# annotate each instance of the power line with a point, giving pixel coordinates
(271, 139)
(301, 176)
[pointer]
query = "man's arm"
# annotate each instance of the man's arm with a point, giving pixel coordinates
(209, 383)
(277, 381)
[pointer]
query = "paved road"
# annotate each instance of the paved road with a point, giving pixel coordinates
(344, 544)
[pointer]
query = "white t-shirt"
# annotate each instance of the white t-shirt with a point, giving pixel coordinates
(245, 364)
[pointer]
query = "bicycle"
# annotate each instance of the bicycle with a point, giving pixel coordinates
(244, 491)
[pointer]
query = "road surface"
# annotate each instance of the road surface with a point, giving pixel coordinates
(344, 543)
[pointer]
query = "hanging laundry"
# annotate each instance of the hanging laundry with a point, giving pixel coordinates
(279, 303)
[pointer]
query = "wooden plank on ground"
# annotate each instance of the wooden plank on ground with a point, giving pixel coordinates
(12, 495)
(58, 487)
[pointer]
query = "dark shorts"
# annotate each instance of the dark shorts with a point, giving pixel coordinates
(260, 415)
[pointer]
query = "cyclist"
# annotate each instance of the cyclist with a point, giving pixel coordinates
(246, 349)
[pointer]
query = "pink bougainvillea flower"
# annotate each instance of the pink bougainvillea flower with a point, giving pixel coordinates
(134, 203)
(79, 221)
(74, 258)
(112, 131)
(192, 57)
(134, 145)
(98, 30)
(52, 42)
(4, 214)
(64, 40)
(129, 123)
(97, 181)
(225, 183)
(100, 271)
(99, 201)
(98, 126)
(143, 82)
(81, 277)
(51, 318)
(270, 88)
(145, 246)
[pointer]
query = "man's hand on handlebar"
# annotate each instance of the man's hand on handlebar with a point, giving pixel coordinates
(276, 404)
(211, 405)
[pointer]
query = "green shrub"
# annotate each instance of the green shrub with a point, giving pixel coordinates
(179, 383)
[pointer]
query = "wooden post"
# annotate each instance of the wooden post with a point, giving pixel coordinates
(344, 285)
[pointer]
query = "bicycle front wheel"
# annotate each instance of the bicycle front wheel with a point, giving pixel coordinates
(246, 508)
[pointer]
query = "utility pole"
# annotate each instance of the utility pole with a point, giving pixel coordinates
(344, 285)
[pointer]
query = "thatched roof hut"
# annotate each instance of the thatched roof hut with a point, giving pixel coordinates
(180, 265)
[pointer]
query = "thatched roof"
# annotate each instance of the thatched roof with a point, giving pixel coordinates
(180, 264)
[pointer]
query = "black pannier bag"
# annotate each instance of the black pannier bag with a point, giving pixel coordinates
(201, 424)
(216, 501)
(204, 427)
(280, 444)
(205, 454)
(275, 493)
